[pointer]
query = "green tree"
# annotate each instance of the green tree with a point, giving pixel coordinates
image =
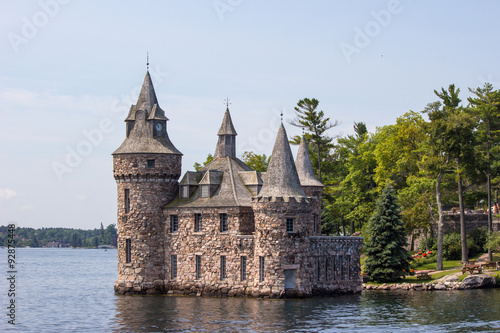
(398, 150)
(315, 124)
(257, 162)
(485, 107)
(197, 166)
(388, 259)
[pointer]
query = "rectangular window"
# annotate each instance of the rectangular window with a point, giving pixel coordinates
(198, 267)
(261, 268)
(127, 201)
(333, 267)
(290, 225)
(173, 263)
(243, 268)
(347, 262)
(223, 222)
(222, 267)
(184, 193)
(151, 164)
(340, 263)
(174, 223)
(315, 224)
(317, 269)
(198, 220)
(325, 268)
(205, 191)
(128, 250)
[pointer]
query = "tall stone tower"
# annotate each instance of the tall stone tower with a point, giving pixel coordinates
(283, 222)
(146, 167)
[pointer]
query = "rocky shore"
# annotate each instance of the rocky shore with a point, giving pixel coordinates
(449, 282)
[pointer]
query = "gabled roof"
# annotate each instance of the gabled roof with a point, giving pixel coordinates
(281, 177)
(231, 192)
(304, 166)
(227, 128)
(191, 178)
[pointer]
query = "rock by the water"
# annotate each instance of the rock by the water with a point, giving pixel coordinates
(478, 281)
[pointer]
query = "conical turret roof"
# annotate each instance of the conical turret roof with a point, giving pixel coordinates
(281, 178)
(304, 166)
(227, 128)
(141, 139)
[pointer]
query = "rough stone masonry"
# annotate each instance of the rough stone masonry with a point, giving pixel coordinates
(223, 230)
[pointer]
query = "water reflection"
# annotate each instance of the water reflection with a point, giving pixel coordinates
(460, 311)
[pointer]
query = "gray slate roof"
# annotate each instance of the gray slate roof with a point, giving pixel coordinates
(231, 192)
(281, 178)
(304, 166)
(227, 128)
(140, 139)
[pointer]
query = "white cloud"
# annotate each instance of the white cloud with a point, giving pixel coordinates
(7, 193)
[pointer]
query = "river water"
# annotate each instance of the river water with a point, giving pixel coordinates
(67, 290)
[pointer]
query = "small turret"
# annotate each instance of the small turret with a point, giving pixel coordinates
(226, 145)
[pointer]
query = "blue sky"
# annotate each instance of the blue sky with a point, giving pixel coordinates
(69, 71)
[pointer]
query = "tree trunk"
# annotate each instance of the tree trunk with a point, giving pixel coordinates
(319, 158)
(490, 217)
(463, 233)
(352, 227)
(439, 263)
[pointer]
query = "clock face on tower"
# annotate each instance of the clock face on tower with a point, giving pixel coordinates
(159, 127)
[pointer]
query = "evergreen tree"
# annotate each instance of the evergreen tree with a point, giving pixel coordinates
(315, 124)
(387, 260)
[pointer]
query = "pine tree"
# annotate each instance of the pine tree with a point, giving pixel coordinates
(387, 260)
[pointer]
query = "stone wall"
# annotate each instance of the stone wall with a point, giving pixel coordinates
(210, 244)
(148, 189)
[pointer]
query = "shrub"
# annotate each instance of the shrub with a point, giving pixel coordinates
(479, 237)
(452, 247)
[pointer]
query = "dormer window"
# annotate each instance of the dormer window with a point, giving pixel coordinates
(205, 191)
(184, 192)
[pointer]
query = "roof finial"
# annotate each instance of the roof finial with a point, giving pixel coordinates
(227, 102)
(147, 61)
(281, 114)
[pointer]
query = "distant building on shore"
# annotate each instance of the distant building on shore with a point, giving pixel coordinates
(224, 229)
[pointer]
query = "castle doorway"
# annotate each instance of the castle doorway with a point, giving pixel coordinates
(290, 278)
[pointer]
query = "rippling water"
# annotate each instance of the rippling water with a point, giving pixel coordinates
(66, 290)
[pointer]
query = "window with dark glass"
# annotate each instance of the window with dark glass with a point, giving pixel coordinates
(198, 223)
(222, 267)
(261, 268)
(290, 225)
(173, 263)
(128, 250)
(174, 223)
(151, 164)
(243, 268)
(223, 222)
(127, 201)
(198, 267)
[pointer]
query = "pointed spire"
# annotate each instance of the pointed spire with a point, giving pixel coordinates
(281, 178)
(304, 166)
(147, 97)
(227, 127)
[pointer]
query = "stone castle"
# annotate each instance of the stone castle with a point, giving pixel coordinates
(224, 229)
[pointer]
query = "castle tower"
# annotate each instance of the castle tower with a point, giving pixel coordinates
(310, 184)
(283, 222)
(226, 145)
(146, 168)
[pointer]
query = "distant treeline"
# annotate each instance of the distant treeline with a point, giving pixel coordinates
(61, 237)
